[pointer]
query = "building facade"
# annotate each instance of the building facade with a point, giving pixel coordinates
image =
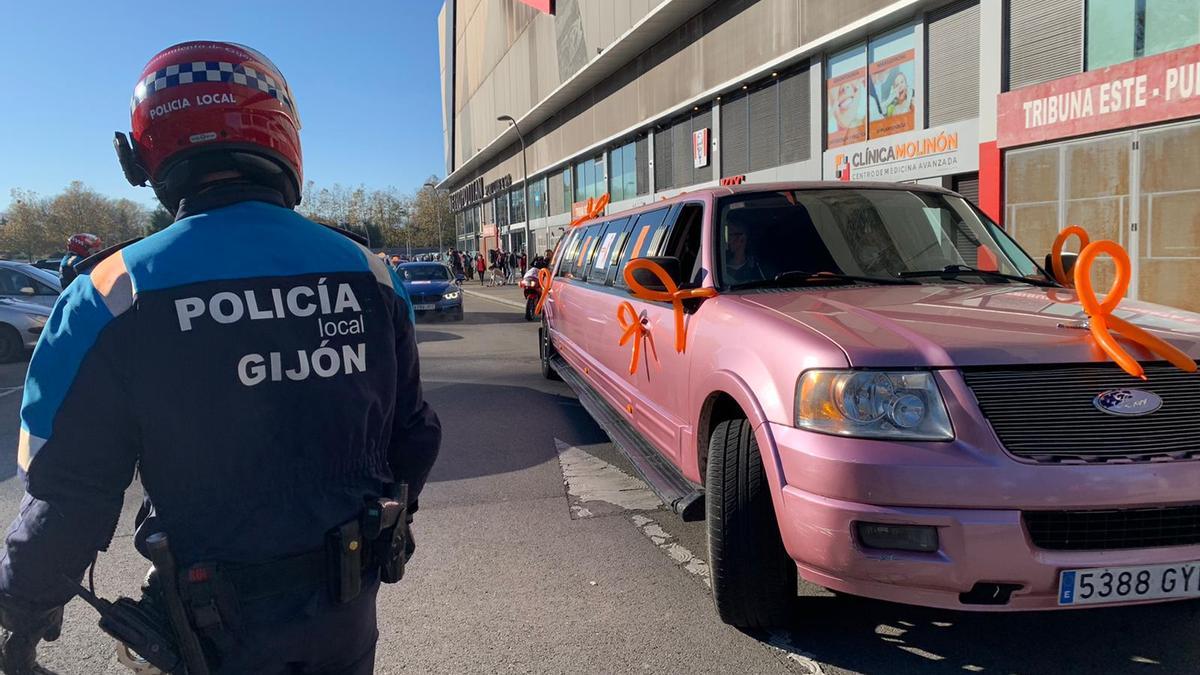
(1046, 113)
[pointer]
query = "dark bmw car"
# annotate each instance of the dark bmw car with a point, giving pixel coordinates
(432, 289)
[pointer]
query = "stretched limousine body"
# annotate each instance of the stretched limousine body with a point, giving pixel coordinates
(881, 392)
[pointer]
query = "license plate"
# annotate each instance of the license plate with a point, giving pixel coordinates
(420, 308)
(1129, 584)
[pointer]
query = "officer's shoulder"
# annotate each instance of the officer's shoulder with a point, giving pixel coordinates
(356, 238)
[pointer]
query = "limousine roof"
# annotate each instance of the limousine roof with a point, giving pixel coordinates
(728, 190)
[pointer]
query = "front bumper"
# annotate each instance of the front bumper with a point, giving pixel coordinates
(977, 512)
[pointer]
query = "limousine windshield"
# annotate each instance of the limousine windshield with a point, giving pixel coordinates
(803, 236)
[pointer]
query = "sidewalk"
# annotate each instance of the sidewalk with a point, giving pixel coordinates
(506, 295)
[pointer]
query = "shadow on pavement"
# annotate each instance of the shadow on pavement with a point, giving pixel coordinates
(515, 316)
(879, 637)
(495, 429)
(435, 336)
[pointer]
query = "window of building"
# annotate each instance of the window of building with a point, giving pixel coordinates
(516, 205)
(537, 198)
(1123, 30)
(1045, 40)
(871, 89)
(500, 208)
(589, 178)
(952, 68)
(676, 154)
(623, 171)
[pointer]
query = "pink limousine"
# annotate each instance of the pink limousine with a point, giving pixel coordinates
(873, 387)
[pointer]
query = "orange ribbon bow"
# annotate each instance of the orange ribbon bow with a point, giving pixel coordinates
(1100, 312)
(545, 280)
(672, 294)
(635, 330)
(595, 207)
(1060, 273)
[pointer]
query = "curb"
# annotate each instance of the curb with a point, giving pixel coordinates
(502, 301)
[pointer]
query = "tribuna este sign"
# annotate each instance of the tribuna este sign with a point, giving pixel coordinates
(1153, 89)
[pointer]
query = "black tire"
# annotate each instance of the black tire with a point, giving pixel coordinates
(530, 303)
(546, 352)
(753, 579)
(458, 314)
(11, 347)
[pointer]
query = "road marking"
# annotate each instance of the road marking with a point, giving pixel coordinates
(5, 391)
(592, 482)
(666, 543)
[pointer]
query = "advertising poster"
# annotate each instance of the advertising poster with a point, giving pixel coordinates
(846, 97)
(892, 84)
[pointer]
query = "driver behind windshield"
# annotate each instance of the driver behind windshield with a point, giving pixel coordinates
(740, 264)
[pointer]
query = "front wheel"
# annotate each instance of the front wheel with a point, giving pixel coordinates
(753, 578)
(530, 304)
(546, 352)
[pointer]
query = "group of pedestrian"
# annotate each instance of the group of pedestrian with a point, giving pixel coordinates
(506, 266)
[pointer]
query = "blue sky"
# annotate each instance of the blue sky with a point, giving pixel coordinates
(364, 73)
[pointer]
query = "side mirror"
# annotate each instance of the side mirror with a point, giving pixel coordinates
(28, 290)
(651, 281)
(1068, 263)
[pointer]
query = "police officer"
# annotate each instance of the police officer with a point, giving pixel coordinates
(258, 370)
(79, 247)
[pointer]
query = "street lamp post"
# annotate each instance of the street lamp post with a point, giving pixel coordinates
(441, 244)
(524, 176)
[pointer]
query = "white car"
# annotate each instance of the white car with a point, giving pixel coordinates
(26, 283)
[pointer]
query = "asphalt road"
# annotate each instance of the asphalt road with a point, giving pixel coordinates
(539, 552)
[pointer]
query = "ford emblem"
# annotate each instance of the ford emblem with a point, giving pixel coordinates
(1127, 402)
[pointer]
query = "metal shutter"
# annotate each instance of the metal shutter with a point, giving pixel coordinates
(1045, 40)
(794, 114)
(702, 120)
(735, 157)
(764, 128)
(662, 159)
(681, 152)
(642, 162)
(968, 186)
(954, 63)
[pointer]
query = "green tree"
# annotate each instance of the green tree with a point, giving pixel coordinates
(160, 219)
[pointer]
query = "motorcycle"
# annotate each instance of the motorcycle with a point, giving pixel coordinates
(533, 291)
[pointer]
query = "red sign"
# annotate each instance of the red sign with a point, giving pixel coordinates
(733, 180)
(1152, 89)
(546, 6)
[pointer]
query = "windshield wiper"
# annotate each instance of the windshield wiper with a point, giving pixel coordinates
(955, 271)
(793, 276)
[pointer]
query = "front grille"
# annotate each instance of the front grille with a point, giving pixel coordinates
(1114, 528)
(1046, 414)
(426, 299)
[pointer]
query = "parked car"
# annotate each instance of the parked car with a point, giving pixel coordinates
(432, 288)
(52, 263)
(21, 325)
(884, 395)
(24, 282)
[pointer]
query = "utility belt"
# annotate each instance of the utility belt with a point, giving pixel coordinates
(181, 610)
(378, 541)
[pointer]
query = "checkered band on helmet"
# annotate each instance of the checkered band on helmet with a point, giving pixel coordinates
(209, 71)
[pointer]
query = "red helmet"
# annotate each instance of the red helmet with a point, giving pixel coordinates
(84, 244)
(204, 107)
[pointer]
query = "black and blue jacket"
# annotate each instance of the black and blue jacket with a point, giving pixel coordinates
(257, 370)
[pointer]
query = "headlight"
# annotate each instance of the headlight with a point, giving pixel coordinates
(452, 295)
(872, 404)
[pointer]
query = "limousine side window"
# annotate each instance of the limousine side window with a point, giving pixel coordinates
(684, 242)
(644, 239)
(614, 254)
(566, 266)
(591, 237)
(605, 241)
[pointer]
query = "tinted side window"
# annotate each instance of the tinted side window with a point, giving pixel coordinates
(568, 251)
(684, 242)
(589, 235)
(618, 246)
(605, 241)
(644, 239)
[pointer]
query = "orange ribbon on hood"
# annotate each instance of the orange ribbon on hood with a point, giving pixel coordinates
(545, 280)
(1102, 320)
(595, 207)
(636, 330)
(1059, 272)
(672, 294)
